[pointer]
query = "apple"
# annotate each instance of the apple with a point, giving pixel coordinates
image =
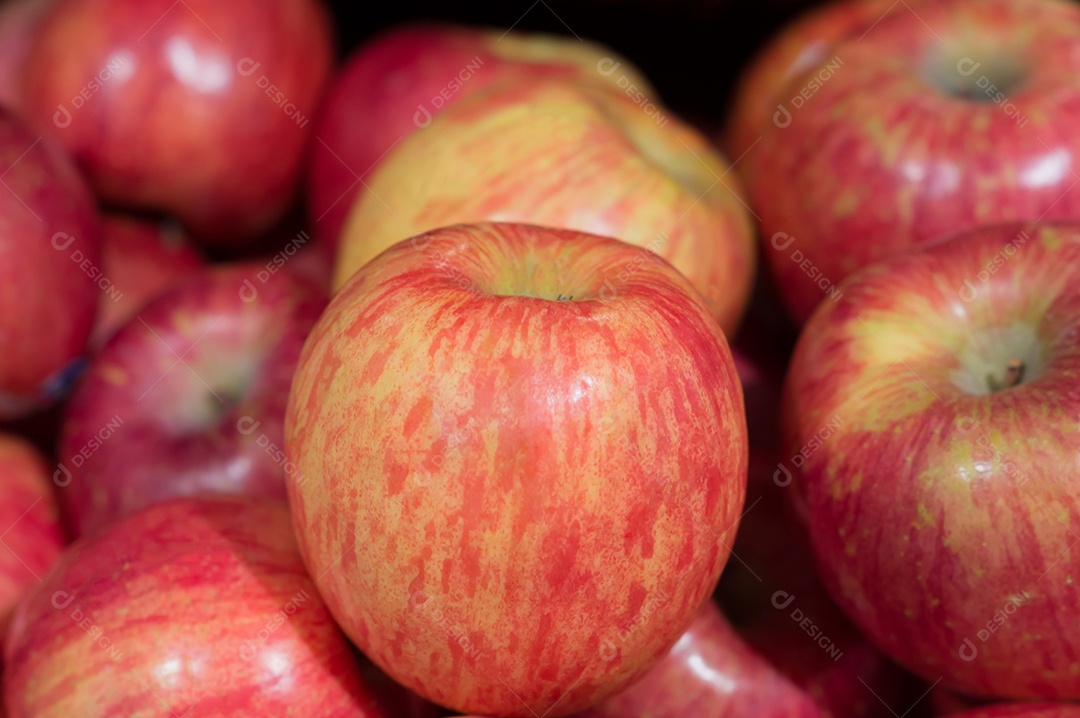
(191, 607)
(1025, 710)
(574, 156)
(933, 121)
(52, 280)
(932, 415)
(773, 596)
(142, 259)
(709, 673)
(518, 452)
(395, 84)
(188, 396)
(198, 109)
(19, 21)
(32, 538)
(801, 46)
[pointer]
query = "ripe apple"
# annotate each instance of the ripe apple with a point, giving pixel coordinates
(191, 607)
(188, 396)
(709, 673)
(199, 109)
(395, 84)
(19, 21)
(32, 538)
(933, 413)
(141, 259)
(571, 156)
(519, 451)
(938, 120)
(801, 46)
(49, 244)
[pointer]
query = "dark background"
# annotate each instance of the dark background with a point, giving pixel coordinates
(692, 50)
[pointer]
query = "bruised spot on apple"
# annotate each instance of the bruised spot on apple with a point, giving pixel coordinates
(188, 396)
(943, 507)
(511, 501)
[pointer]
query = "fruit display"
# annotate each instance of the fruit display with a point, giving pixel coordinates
(413, 360)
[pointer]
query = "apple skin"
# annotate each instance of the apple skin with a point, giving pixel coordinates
(574, 156)
(1025, 710)
(709, 673)
(389, 89)
(513, 504)
(142, 259)
(803, 45)
(937, 512)
(32, 536)
(47, 299)
(199, 601)
(19, 21)
(187, 397)
(885, 156)
(177, 117)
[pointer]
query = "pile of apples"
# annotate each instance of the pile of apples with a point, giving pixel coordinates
(404, 387)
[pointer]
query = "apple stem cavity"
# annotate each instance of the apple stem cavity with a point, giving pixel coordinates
(1014, 375)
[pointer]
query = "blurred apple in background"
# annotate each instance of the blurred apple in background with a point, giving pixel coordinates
(199, 109)
(515, 486)
(803, 45)
(574, 156)
(396, 83)
(29, 521)
(19, 22)
(192, 604)
(934, 409)
(51, 269)
(941, 118)
(188, 396)
(709, 673)
(141, 259)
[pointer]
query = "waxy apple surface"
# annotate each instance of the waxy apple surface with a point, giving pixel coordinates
(395, 84)
(188, 396)
(953, 115)
(709, 673)
(574, 156)
(935, 412)
(29, 521)
(803, 45)
(192, 607)
(50, 269)
(514, 490)
(200, 109)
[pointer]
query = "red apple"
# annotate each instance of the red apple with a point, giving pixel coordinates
(31, 538)
(192, 607)
(49, 244)
(518, 453)
(803, 45)
(19, 21)
(936, 120)
(189, 396)
(1025, 710)
(572, 156)
(200, 109)
(709, 673)
(142, 259)
(931, 419)
(398, 82)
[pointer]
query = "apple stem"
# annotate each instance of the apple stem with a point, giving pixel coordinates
(1014, 374)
